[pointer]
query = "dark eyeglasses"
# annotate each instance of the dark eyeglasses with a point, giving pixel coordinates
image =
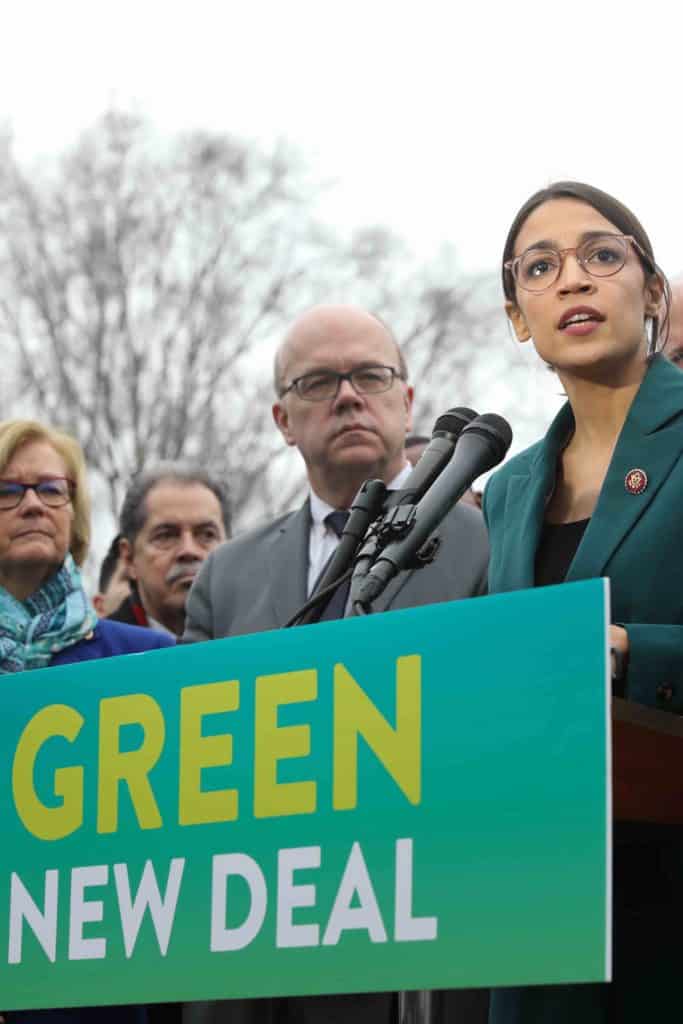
(54, 492)
(322, 384)
(600, 256)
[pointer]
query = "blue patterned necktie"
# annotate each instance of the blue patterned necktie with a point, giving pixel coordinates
(337, 520)
(334, 609)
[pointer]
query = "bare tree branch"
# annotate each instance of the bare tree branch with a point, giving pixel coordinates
(145, 281)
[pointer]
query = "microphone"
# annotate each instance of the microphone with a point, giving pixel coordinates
(367, 505)
(431, 463)
(436, 455)
(481, 446)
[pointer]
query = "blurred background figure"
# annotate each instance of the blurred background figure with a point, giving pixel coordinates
(414, 446)
(114, 584)
(174, 514)
(674, 345)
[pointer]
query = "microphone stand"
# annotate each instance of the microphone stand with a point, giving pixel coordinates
(418, 1007)
(366, 506)
(397, 522)
(397, 525)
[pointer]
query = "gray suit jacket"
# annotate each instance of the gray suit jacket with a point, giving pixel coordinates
(258, 581)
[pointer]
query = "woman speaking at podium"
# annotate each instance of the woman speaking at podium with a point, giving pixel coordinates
(602, 495)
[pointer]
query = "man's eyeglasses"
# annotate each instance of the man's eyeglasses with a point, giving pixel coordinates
(323, 384)
(600, 256)
(54, 492)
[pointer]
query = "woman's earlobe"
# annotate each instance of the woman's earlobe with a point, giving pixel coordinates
(518, 322)
(655, 296)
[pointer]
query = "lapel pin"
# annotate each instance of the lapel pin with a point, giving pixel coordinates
(635, 481)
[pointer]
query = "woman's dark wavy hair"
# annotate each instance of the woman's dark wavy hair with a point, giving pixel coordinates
(617, 214)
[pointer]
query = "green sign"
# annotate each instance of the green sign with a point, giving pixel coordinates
(419, 799)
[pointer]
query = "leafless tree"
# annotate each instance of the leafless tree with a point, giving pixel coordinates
(144, 281)
(141, 284)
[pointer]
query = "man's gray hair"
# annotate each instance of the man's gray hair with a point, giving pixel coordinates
(134, 512)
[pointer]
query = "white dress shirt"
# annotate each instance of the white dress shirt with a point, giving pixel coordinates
(322, 540)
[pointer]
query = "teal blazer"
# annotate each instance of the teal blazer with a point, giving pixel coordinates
(637, 541)
(634, 539)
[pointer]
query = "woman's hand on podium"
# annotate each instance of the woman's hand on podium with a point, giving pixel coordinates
(619, 647)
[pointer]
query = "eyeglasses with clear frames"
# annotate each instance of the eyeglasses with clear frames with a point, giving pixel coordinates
(320, 385)
(600, 256)
(53, 491)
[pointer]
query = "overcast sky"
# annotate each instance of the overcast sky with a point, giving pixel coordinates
(437, 119)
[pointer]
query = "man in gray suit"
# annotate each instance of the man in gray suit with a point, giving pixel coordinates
(345, 402)
(343, 399)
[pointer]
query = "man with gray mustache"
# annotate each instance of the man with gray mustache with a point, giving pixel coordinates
(174, 514)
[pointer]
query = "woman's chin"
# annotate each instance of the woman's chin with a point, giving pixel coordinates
(585, 359)
(33, 564)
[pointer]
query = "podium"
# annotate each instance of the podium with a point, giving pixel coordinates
(647, 786)
(647, 764)
(372, 821)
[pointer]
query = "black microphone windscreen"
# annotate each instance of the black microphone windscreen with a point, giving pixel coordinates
(453, 420)
(496, 429)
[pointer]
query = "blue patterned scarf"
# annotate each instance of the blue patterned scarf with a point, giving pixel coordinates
(55, 617)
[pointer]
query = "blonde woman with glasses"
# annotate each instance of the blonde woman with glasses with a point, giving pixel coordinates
(45, 616)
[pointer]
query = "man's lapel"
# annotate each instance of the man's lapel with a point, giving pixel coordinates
(288, 569)
(651, 441)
